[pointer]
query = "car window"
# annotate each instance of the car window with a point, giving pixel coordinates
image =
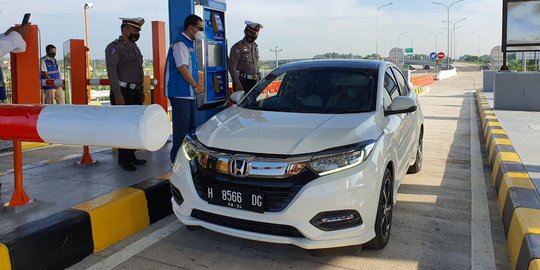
(390, 84)
(315, 90)
(403, 86)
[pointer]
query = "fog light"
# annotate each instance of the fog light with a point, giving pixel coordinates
(336, 220)
(176, 195)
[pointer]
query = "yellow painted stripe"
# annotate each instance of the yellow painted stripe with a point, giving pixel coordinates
(491, 124)
(116, 215)
(493, 131)
(534, 264)
(496, 141)
(5, 263)
(524, 221)
(511, 180)
(503, 156)
(30, 145)
(491, 117)
(166, 176)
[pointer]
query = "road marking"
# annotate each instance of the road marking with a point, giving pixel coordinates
(138, 246)
(482, 256)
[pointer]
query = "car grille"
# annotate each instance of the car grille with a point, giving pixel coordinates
(278, 193)
(246, 225)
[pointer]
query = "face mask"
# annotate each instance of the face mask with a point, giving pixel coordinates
(199, 35)
(52, 55)
(133, 37)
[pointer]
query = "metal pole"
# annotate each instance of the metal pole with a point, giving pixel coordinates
(377, 41)
(276, 52)
(447, 27)
(88, 72)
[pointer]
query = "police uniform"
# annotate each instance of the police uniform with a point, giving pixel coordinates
(125, 71)
(244, 59)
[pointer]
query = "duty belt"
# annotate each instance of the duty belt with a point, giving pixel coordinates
(246, 76)
(131, 86)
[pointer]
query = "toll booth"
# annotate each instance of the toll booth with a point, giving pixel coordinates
(211, 51)
(75, 70)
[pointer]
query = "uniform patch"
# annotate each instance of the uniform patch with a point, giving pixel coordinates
(112, 50)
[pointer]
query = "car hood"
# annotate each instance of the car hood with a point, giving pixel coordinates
(284, 133)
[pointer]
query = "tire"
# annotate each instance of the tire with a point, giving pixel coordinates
(383, 220)
(417, 166)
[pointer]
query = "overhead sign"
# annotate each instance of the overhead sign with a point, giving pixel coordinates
(408, 50)
(433, 56)
(441, 55)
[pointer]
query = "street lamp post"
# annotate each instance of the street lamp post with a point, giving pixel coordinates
(399, 36)
(276, 51)
(453, 36)
(436, 36)
(477, 45)
(448, 25)
(377, 40)
(87, 6)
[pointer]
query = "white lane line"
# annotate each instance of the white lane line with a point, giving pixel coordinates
(138, 246)
(482, 255)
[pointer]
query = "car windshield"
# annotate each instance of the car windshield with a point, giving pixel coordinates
(319, 90)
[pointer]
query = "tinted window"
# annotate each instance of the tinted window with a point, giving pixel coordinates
(390, 84)
(318, 90)
(403, 86)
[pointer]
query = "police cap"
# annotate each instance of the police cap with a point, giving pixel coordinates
(253, 25)
(135, 22)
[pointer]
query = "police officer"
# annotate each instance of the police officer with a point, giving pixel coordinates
(244, 59)
(125, 71)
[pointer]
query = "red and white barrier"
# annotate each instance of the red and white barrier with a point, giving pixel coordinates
(130, 127)
(50, 82)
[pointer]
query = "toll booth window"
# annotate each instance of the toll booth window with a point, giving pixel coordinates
(215, 55)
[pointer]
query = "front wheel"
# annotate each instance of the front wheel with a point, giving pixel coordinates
(417, 166)
(383, 220)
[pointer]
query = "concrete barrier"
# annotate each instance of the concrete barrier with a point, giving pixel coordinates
(488, 80)
(445, 74)
(519, 201)
(63, 239)
(522, 96)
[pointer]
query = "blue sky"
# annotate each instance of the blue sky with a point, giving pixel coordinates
(302, 28)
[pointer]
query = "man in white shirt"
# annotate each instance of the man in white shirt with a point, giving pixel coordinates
(13, 40)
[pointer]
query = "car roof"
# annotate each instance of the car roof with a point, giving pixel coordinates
(333, 63)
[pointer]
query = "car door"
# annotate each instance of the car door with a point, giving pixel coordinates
(395, 124)
(409, 127)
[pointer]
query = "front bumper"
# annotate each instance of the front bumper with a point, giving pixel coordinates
(356, 189)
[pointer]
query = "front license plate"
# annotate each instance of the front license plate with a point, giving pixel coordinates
(236, 198)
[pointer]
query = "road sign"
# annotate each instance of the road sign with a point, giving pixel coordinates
(408, 50)
(437, 62)
(441, 55)
(433, 55)
(396, 56)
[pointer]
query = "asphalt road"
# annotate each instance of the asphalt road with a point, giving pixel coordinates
(446, 216)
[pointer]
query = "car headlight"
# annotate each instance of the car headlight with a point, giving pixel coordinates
(189, 149)
(339, 159)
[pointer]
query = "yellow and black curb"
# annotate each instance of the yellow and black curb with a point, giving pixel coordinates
(63, 239)
(519, 201)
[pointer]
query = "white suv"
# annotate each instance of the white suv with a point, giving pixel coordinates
(312, 156)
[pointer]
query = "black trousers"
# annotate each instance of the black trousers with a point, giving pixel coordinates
(131, 97)
(247, 84)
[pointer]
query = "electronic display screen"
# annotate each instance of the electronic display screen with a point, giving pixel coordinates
(522, 25)
(215, 55)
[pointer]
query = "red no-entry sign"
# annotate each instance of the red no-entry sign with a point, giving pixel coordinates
(441, 55)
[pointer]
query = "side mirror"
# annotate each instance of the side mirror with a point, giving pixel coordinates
(237, 96)
(401, 105)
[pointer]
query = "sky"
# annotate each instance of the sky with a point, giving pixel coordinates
(301, 28)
